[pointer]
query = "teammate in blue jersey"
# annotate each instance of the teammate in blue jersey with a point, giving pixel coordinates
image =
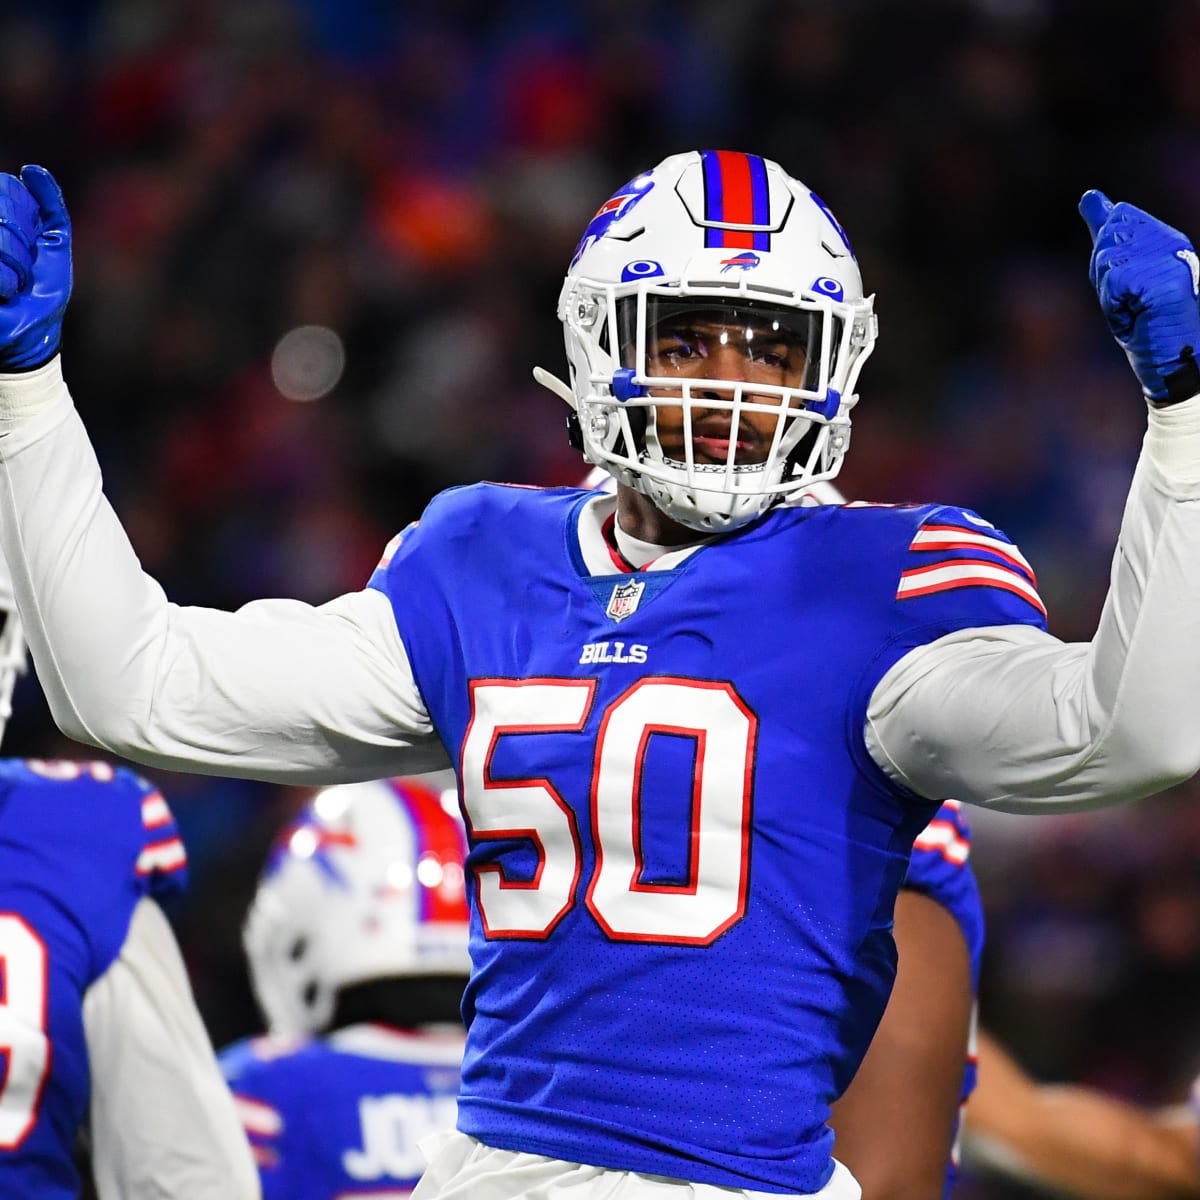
(696, 726)
(357, 944)
(98, 1028)
(898, 1124)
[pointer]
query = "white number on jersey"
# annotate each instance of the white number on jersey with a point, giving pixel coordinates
(694, 912)
(391, 1128)
(24, 1046)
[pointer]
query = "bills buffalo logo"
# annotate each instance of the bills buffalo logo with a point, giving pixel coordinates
(307, 838)
(746, 261)
(611, 211)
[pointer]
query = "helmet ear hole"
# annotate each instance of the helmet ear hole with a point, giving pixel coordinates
(298, 948)
(574, 432)
(802, 451)
(310, 992)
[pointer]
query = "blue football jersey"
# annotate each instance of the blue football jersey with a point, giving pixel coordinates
(684, 860)
(940, 869)
(80, 845)
(341, 1116)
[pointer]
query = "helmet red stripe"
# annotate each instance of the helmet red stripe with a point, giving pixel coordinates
(437, 834)
(739, 198)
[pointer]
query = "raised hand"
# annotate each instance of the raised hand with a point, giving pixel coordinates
(1147, 276)
(35, 268)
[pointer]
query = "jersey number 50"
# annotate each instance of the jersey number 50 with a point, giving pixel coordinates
(695, 911)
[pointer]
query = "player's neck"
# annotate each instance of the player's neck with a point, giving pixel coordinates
(638, 518)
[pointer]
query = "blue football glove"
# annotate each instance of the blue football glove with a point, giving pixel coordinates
(1147, 276)
(35, 268)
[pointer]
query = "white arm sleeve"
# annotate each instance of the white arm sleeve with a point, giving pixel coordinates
(279, 690)
(163, 1122)
(1015, 719)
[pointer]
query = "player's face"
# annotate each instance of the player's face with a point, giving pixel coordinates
(740, 348)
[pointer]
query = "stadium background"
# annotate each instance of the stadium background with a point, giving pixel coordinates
(319, 244)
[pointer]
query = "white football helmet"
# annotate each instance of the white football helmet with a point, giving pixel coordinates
(369, 882)
(726, 241)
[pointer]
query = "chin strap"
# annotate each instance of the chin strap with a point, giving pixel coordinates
(553, 384)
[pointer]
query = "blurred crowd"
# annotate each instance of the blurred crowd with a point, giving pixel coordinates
(319, 247)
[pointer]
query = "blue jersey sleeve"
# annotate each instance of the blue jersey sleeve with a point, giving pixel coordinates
(959, 566)
(941, 570)
(940, 868)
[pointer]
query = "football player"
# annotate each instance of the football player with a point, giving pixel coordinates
(898, 1124)
(696, 728)
(357, 945)
(98, 1027)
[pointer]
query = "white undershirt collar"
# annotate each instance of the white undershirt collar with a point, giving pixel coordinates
(602, 557)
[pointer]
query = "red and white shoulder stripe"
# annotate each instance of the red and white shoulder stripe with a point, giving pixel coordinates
(155, 811)
(389, 551)
(165, 852)
(165, 855)
(952, 556)
(946, 839)
(258, 1118)
(261, 1122)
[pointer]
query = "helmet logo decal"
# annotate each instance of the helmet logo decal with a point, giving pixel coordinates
(643, 268)
(746, 261)
(736, 193)
(307, 838)
(833, 221)
(611, 211)
(824, 286)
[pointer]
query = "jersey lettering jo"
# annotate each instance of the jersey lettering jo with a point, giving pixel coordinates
(342, 1116)
(80, 845)
(684, 861)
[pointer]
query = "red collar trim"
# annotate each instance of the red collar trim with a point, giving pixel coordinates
(609, 532)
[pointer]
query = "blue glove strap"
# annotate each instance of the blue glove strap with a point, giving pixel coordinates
(1184, 383)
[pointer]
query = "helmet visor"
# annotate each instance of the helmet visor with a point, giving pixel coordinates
(725, 340)
(729, 380)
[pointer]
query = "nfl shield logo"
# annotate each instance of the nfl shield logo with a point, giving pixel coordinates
(624, 600)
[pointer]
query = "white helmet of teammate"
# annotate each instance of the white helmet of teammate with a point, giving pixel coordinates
(368, 883)
(14, 659)
(724, 236)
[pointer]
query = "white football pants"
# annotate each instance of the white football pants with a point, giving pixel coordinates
(461, 1168)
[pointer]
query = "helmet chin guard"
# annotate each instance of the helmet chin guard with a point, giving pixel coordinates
(715, 327)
